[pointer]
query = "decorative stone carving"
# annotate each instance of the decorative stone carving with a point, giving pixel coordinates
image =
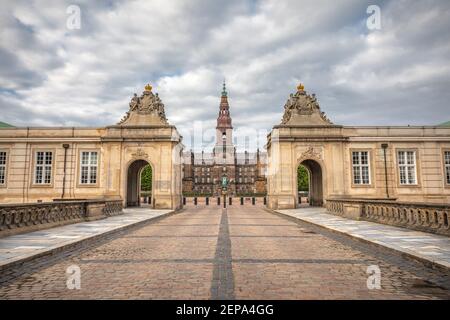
(303, 109)
(147, 109)
(139, 154)
(311, 153)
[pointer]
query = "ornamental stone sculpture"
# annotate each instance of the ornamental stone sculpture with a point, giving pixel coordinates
(147, 109)
(303, 109)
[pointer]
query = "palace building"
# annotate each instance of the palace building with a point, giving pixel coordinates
(72, 163)
(245, 172)
(348, 164)
(387, 166)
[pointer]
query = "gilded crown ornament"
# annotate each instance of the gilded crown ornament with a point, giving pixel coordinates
(145, 109)
(303, 109)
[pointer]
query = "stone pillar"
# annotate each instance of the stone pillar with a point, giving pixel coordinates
(94, 210)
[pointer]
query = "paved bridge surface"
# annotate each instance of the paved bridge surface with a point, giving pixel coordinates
(243, 252)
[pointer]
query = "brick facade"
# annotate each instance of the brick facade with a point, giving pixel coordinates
(203, 172)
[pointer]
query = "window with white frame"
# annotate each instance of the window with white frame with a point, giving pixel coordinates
(447, 165)
(2, 167)
(407, 167)
(88, 167)
(361, 167)
(43, 169)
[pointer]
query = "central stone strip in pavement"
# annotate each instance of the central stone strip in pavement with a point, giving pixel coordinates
(222, 285)
(278, 258)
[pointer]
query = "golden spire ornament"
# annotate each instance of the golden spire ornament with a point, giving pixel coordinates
(148, 87)
(300, 87)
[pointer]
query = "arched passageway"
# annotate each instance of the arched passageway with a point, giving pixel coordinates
(136, 184)
(314, 181)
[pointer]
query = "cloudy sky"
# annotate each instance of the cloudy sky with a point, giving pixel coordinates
(51, 75)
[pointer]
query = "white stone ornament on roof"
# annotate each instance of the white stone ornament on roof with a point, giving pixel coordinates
(147, 109)
(303, 109)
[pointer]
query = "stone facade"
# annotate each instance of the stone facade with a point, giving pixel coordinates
(384, 163)
(409, 164)
(203, 172)
(44, 164)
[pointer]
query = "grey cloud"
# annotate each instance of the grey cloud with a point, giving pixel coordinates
(398, 75)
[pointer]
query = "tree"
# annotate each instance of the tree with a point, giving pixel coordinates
(146, 178)
(302, 178)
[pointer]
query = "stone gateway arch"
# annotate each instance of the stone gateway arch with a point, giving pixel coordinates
(354, 163)
(47, 164)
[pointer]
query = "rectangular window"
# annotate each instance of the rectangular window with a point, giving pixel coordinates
(2, 167)
(361, 167)
(88, 167)
(447, 165)
(43, 170)
(407, 167)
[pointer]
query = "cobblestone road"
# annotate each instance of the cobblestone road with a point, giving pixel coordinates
(242, 253)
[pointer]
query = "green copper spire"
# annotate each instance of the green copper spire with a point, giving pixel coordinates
(224, 89)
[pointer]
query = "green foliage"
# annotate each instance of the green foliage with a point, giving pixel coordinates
(302, 179)
(146, 178)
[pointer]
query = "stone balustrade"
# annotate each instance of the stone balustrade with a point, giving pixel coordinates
(426, 217)
(112, 208)
(20, 218)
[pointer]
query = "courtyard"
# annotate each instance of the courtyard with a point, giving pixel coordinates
(207, 252)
